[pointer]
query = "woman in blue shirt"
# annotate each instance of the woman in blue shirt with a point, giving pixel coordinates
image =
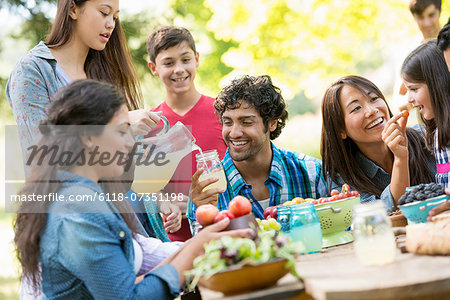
(83, 242)
(363, 145)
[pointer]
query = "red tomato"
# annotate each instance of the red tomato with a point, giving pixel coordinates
(355, 193)
(334, 192)
(334, 198)
(315, 202)
(240, 206)
(405, 114)
(345, 188)
(205, 214)
(347, 194)
(222, 215)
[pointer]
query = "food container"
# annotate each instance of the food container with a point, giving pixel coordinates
(398, 220)
(374, 239)
(417, 212)
(247, 278)
(335, 217)
(305, 227)
(284, 216)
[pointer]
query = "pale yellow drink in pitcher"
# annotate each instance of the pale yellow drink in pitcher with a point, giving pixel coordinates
(152, 178)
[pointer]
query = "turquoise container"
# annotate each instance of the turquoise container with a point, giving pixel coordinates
(304, 226)
(284, 216)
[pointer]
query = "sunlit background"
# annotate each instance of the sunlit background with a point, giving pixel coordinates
(303, 45)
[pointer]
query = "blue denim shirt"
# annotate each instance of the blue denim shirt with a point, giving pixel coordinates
(382, 179)
(87, 250)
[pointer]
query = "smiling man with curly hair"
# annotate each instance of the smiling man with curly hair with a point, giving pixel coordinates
(253, 113)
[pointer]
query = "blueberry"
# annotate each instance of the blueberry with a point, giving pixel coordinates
(420, 196)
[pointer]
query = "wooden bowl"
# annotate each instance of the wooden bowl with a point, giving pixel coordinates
(398, 220)
(247, 278)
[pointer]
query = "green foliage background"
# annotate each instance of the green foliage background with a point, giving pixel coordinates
(303, 45)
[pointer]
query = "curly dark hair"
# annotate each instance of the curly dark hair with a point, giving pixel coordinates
(258, 92)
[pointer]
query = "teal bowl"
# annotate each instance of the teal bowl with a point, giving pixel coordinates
(417, 212)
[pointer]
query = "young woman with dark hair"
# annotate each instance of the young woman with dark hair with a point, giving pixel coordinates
(427, 79)
(86, 41)
(85, 248)
(362, 144)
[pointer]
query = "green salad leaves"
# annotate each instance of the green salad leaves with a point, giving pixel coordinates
(230, 253)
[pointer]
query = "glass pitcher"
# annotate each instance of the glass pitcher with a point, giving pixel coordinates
(157, 157)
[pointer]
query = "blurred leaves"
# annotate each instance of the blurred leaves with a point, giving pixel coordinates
(212, 69)
(36, 23)
(303, 45)
(300, 43)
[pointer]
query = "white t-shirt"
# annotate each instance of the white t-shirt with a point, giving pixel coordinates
(264, 203)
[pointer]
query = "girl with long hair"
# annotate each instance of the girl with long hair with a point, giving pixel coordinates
(427, 79)
(82, 242)
(85, 41)
(363, 145)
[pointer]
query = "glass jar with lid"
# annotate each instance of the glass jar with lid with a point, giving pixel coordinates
(374, 239)
(305, 227)
(212, 167)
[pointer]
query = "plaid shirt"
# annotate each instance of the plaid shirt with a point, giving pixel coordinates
(442, 163)
(291, 175)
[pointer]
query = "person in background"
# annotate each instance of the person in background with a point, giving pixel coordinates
(364, 145)
(90, 249)
(85, 41)
(426, 14)
(443, 42)
(174, 59)
(253, 113)
(427, 79)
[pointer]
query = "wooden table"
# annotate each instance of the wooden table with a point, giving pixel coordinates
(335, 273)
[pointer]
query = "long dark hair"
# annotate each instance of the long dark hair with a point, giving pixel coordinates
(426, 64)
(338, 155)
(113, 64)
(84, 102)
